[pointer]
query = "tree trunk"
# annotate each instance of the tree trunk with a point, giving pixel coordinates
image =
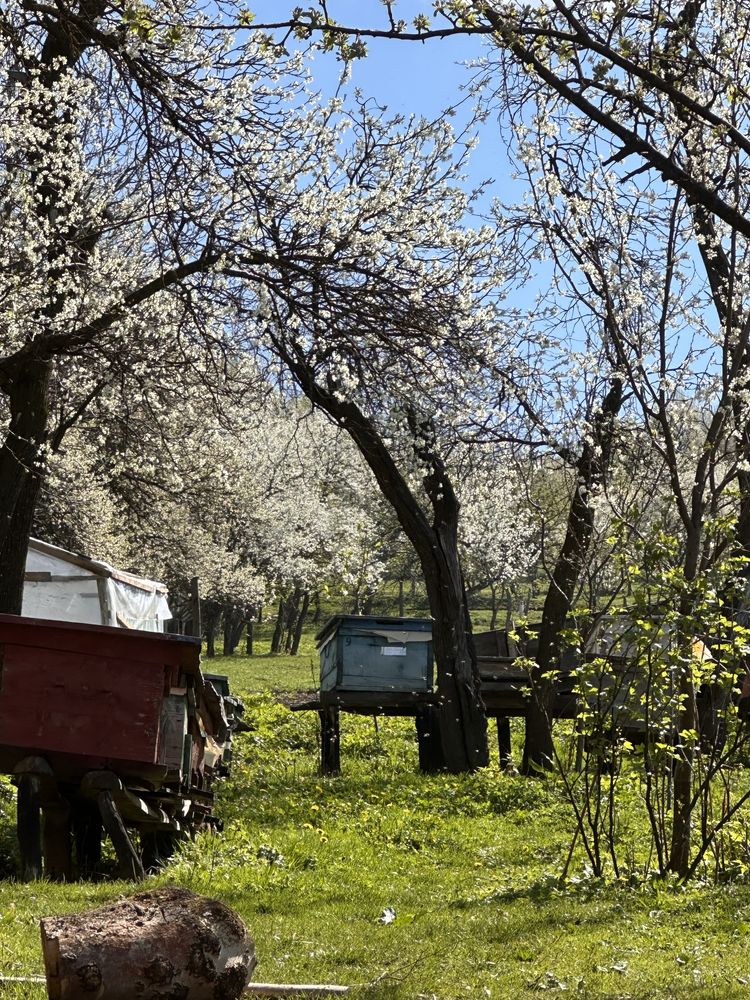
(212, 616)
(316, 608)
(21, 474)
(300, 623)
(249, 640)
(401, 610)
(493, 617)
(591, 470)
(290, 618)
(463, 724)
(165, 943)
(464, 745)
(238, 626)
(278, 633)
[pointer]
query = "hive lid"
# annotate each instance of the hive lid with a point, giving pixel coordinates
(391, 629)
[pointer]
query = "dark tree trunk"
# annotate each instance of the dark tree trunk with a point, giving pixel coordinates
(316, 608)
(238, 626)
(290, 618)
(300, 624)
(401, 609)
(462, 720)
(249, 640)
(493, 607)
(591, 470)
(278, 633)
(233, 624)
(21, 474)
(212, 617)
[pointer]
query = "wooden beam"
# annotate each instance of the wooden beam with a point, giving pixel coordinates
(130, 863)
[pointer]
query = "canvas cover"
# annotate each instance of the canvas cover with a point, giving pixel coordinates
(63, 586)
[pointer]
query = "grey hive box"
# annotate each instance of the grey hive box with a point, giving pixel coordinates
(364, 653)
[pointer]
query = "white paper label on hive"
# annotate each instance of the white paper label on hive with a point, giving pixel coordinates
(393, 650)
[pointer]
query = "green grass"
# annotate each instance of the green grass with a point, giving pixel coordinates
(469, 866)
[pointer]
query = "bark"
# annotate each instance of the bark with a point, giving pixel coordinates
(211, 617)
(166, 943)
(401, 612)
(591, 469)
(300, 624)
(290, 618)
(278, 633)
(316, 608)
(493, 607)
(21, 474)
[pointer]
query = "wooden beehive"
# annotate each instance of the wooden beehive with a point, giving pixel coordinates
(364, 653)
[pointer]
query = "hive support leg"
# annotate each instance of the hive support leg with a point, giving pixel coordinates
(130, 863)
(428, 739)
(87, 831)
(57, 843)
(330, 741)
(504, 745)
(157, 847)
(29, 826)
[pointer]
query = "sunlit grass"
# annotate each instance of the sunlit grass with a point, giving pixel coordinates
(409, 886)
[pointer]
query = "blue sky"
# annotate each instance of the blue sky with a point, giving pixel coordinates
(408, 77)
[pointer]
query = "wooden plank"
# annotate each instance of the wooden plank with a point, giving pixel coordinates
(130, 863)
(293, 990)
(349, 700)
(104, 640)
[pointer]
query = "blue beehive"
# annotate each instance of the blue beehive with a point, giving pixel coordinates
(363, 653)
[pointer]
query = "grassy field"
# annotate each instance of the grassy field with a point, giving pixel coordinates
(406, 886)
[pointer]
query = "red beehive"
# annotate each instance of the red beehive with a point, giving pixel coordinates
(88, 696)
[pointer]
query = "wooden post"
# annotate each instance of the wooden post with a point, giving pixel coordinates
(428, 739)
(87, 833)
(29, 826)
(504, 745)
(57, 842)
(157, 847)
(330, 742)
(37, 791)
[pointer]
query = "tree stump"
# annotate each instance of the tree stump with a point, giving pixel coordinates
(167, 944)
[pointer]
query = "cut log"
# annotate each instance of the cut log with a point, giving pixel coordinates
(160, 945)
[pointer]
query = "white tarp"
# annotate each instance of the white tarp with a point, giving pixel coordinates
(62, 586)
